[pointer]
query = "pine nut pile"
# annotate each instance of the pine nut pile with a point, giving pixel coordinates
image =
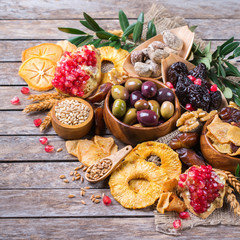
(72, 112)
(99, 169)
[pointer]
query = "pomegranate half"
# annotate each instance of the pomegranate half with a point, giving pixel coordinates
(202, 189)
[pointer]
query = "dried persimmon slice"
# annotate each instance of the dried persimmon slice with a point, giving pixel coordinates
(50, 51)
(38, 73)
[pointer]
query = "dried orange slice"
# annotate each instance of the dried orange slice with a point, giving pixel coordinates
(38, 73)
(50, 51)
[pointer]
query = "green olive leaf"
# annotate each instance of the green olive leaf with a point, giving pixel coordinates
(77, 40)
(104, 44)
(229, 48)
(92, 23)
(221, 68)
(95, 42)
(237, 100)
(86, 24)
(237, 171)
(151, 32)
(228, 93)
(72, 31)
(86, 41)
(207, 48)
(236, 52)
(123, 20)
(230, 40)
(104, 35)
(233, 69)
(137, 31)
(129, 30)
(192, 28)
(116, 44)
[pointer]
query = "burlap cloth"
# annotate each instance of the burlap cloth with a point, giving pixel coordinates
(163, 222)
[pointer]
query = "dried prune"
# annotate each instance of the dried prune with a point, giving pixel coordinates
(229, 115)
(175, 70)
(216, 100)
(199, 97)
(182, 89)
(200, 71)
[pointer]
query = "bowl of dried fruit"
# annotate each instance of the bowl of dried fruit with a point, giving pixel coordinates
(145, 60)
(191, 84)
(72, 118)
(140, 110)
(220, 139)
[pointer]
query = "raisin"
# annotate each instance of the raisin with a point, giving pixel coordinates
(182, 89)
(229, 115)
(199, 97)
(175, 70)
(216, 100)
(200, 71)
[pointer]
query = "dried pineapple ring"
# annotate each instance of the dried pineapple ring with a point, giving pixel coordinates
(38, 73)
(136, 169)
(117, 57)
(50, 51)
(170, 162)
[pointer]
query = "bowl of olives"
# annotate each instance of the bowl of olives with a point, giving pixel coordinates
(141, 110)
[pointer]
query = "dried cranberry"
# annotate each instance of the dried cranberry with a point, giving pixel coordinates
(213, 88)
(189, 107)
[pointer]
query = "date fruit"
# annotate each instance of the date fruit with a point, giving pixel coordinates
(190, 157)
(184, 140)
(99, 121)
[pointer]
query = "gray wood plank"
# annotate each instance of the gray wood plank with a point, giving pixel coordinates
(104, 228)
(55, 203)
(12, 149)
(47, 29)
(43, 176)
(29, 9)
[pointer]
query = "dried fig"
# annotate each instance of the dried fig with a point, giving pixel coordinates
(155, 45)
(156, 68)
(99, 122)
(190, 157)
(170, 50)
(172, 41)
(143, 69)
(158, 55)
(184, 140)
(137, 56)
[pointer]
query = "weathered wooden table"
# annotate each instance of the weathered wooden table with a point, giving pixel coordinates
(34, 202)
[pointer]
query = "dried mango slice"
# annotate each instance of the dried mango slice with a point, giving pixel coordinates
(233, 135)
(38, 73)
(50, 51)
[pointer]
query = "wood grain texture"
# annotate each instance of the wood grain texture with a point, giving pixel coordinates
(52, 9)
(34, 151)
(103, 228)
(55, 203)
(47, 29)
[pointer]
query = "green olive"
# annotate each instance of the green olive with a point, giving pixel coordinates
(119, 108)
(141, 104)
(119, 92)
(133, 84)
(167, 109)
(154, 106)
(131, 116)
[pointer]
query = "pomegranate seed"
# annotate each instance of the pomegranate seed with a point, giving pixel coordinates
(37, 122)
(43, 140)
(213, 88)
(49, 148)
(15, 100)
(184, 215)
(169, 85)
(183, 177)
(198, 81)
(189, 107)
(180, 184)
(192, 78)
(177, 224)
(25, 90)
(107, 200)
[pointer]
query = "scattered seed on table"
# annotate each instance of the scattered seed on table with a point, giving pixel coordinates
(77, 168)
(66, 181)
(87, 187)
(98, 196)
(82, 179)
(81, 166)
(71, 173)
(78, 174)
(77, 178)
(83, 202)
(97, 201)
(59, 149)
(62, 176)
(92, 197)
(85, 168)
(71, 196)
(73, 179)
(82, 193)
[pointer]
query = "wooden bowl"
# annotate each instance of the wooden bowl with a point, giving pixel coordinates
(172, 58)
(215, 158)
(134, 135)
(72, 131)
(182, 32)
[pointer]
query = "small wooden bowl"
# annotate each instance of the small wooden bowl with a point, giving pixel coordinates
(72, 131)
(215, 158)
(182, 32)
(173, 58)
(134, 135)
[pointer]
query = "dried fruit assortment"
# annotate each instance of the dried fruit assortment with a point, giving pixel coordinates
(142, 104)
(147, 62)
(192, 87)
(224, 131)
(202, 189)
